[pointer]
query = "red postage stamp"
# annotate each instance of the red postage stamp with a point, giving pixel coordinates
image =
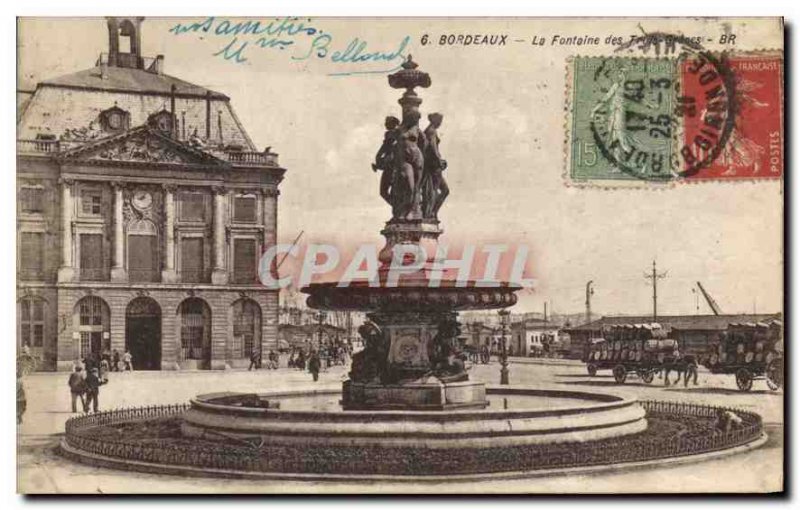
(754, 145)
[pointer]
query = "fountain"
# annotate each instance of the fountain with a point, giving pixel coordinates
(411, 357)
(409, 385)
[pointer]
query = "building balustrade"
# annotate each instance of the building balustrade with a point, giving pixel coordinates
(235, 157)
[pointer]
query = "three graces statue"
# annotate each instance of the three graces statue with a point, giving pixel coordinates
(413, 181)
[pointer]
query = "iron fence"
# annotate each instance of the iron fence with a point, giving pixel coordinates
(353, 460)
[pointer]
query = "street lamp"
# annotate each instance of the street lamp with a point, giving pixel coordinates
(320, 319)
(504, 317)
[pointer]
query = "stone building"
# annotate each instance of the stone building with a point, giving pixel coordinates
(143, 208)
(533, 337)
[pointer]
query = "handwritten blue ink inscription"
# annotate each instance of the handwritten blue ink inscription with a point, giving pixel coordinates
(238, 40)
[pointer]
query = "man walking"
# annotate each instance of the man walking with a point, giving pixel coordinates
(77, 387)
(115, 361)
(127, 359)
(255, 354)
(93, 383)
(314, 365)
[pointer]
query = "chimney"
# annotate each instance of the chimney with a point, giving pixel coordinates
(208, 115)
(545, 311)
(219, 128)
(157, 67)
(172, 111)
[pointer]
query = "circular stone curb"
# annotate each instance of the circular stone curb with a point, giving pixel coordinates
(102, 461)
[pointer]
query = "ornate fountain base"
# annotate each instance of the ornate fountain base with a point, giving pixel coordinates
(412, 359)
(425, 395)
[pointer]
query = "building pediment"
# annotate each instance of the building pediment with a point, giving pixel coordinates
(141, 145)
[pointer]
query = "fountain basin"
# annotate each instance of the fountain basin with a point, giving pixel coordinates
(533, 416)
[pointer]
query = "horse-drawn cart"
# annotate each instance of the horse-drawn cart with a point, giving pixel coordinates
(749, 351)
(641, 349)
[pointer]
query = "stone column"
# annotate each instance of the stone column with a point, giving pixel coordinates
(66, 272)
(219, 274)
(118, 272)
(168, 274)
(270, 215)
(269, 313)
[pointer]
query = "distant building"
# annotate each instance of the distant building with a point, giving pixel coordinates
(693, 332)
(477, 334)
(308, 335)
(533, 337)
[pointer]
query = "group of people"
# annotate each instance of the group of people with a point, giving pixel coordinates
(480, 355)
(109, 361)
(256, 360)
(92, 372)
(85, 386)
(300, 360)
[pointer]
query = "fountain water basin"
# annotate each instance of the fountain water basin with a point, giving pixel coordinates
(514, 417)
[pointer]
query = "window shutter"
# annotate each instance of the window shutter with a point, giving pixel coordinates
(92, 256)
(192, 266)
(143, 258)
(192, 207)
(244, 261)
(244, 210)
(31, 254)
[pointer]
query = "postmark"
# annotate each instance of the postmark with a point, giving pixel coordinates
(754, 147)
(665, 110)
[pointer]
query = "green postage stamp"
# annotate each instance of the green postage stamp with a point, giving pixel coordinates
(621, 117)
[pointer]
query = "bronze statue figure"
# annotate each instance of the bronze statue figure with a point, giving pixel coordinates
(447, 360)
(434, 188)
(409, 163)
(385, 158)
(369, 365)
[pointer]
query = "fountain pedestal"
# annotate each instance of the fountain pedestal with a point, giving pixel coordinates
(412, 359)
(429, 394)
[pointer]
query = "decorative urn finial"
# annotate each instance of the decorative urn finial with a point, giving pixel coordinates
(409, 77)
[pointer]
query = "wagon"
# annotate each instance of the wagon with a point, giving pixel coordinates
(640, 349)
(749, 351)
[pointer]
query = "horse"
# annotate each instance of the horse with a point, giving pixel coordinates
(686, 368)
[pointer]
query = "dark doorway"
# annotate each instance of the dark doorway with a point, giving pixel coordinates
(143, 333)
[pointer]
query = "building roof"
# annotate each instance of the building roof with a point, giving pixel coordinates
(124, 79)
(683, 322)
(309, 328)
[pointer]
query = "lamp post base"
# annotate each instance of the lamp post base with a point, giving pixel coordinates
(504, 374)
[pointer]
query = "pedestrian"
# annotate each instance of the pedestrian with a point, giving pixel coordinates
(93, 383)
(300, 362)
(272, 359)
(106, 356)
(254, 355)
(22, 401)
(691, 370)
(115, 361)
(314, 364)
(77, 387)
(104, 368)
(127, 360)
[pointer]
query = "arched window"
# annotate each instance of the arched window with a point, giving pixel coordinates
(143, 260)
(92, 325)
(31, 322)
(126, 33)
(195, 320)
(246, 327)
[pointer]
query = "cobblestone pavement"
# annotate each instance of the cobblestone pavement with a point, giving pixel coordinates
(41, 470)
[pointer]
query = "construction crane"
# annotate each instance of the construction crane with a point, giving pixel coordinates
(711, 303)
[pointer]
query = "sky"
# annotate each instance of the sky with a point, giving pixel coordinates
(503, 136)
